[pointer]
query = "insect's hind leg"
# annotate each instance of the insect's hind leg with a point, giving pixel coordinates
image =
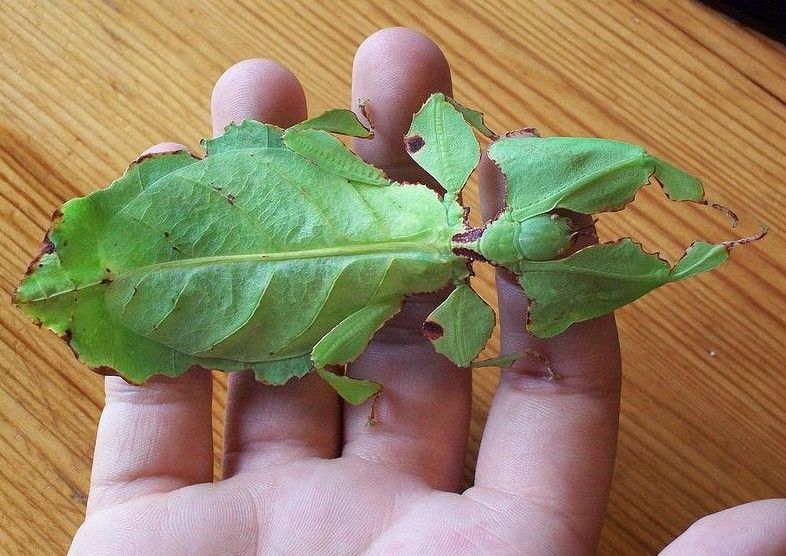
(345, 342)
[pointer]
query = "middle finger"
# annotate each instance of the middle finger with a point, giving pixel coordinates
(424, 410)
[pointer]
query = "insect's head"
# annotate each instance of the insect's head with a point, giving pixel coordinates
(508, 242)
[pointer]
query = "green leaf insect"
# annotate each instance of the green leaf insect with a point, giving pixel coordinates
(282, 252)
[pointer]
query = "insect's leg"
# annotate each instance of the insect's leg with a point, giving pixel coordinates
(507, 360)
(353, 390)
(346, 342)
(460, 326)
(280, 371)
(592, 282)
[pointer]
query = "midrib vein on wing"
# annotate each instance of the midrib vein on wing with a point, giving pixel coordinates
(407, 248)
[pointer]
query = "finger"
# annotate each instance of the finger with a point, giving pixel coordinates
(271, 424)
(754, 529)
(168, 147)
(155, 437)
(423, 412)
(258, 89)
(549, 445)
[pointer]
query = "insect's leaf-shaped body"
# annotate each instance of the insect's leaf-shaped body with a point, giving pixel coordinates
(243, 259)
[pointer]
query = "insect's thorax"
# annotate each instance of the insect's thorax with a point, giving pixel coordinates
(507, 241)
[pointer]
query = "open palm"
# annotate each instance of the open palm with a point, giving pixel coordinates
(304, 473)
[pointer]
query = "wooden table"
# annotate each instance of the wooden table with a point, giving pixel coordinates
(85, 89)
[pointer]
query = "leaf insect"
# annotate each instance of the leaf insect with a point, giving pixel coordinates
(282, 252)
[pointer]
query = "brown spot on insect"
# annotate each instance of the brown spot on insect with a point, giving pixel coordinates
(167, 234)
(47, 247)
(414, 143)
(231, 199)
(106, 280)
(523, 132)
(432, 330)
(66, 337)
(469, 254)
(468, 236)
(103, 370)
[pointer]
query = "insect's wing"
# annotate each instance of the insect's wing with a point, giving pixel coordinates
(460, 326)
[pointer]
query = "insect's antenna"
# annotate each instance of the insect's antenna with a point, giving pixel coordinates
(727, 211)
(750, 239)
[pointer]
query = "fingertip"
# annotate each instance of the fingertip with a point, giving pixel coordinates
(398, 44)
(259, 89)
(395, 69)
(166, 147)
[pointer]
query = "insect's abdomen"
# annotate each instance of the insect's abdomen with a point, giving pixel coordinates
(268, 309)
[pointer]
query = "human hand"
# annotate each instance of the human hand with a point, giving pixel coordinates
(303, 474)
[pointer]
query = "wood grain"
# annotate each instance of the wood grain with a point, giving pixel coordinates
(86, 86)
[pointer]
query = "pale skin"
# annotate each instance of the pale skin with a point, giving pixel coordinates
(305, 474)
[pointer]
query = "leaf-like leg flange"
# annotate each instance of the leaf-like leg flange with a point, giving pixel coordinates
(592, 282)
(460, 326)
(442, 142)
(354, 391)
(508, 359)
(473, 118)
(601, 278)
(338, 120)
(585, 175)
(280, 371)
(330, 154)
(701, 256)
(346, 341)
